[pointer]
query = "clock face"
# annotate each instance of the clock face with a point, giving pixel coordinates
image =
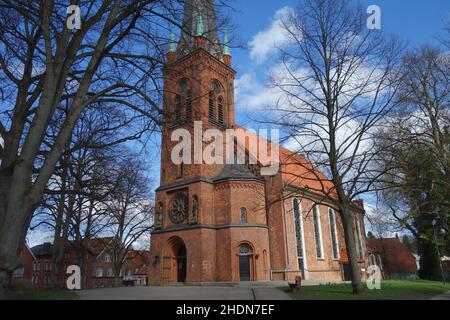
(180, 209)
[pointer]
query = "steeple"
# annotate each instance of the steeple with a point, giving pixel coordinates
(199, 22)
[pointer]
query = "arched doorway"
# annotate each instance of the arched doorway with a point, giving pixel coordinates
(174, 266)
(245, 263)
(181, 263)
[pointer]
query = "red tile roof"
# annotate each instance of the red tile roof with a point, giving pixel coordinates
(397, 258)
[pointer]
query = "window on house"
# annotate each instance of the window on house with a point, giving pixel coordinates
(99, 273)
(220, 111)
(211, 115)
(110, 272)
(107, 258)
(45, 280)
(243, 216)
(317, 232)
(334, 236)
(359, 239)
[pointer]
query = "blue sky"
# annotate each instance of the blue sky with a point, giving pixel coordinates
(415, 21)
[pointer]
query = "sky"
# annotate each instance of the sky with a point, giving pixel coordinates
(415, 21)
(257, 31)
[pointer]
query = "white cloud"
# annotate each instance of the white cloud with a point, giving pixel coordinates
(252, 94)
(266, 42)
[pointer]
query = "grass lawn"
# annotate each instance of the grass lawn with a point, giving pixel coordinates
(31, 294)
(390, 290)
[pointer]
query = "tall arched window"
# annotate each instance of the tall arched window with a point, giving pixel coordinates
(159, 216)
(189, 106)
(299, 236)
(318, 232)
(194, 210)
(183, 102)
(178, 106)
(243, 216)
(212, 116)
(334, 236)
(220, 110)
(359, 238)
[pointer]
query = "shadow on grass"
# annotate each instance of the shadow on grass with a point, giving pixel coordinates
(390, 290)
(33, 294)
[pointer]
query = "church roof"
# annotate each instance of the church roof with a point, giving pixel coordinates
(199, 20)
(238, 172)
(297, 171)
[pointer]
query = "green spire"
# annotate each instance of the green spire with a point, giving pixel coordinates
(172, 41)
(200, 26)
(226, 48)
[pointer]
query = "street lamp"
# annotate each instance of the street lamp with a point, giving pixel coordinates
(433, 223)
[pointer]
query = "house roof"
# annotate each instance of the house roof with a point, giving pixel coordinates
(96, 246)
(397, 258)
(236, 172)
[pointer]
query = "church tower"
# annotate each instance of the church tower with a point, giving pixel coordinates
(207, 227)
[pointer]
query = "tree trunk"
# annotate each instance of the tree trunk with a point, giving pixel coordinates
(117, 281)
(347, 222)
(429, 261)
(12, 236)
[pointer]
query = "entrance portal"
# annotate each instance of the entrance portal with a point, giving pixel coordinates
(245, 255)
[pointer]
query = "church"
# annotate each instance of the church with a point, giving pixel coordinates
(228, 222)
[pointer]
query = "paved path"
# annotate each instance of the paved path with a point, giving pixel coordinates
(443, 296)
(183, 293)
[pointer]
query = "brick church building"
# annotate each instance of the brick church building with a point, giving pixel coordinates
(228, 222)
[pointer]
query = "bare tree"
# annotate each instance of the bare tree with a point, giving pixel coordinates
(113, 59)
(129, 209)
(338, 80)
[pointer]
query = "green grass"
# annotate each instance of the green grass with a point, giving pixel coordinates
(32, 294)
(390, 290)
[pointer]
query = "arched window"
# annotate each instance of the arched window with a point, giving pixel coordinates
(183, 102)
(160, 213)
(178, 106)
(299, 235)
(189, 106)
(334, 236)
(243, 216)
(359, 238)
(245, 249)
(194, 210)
(212, 116)
(220, 111)
(318, 232)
